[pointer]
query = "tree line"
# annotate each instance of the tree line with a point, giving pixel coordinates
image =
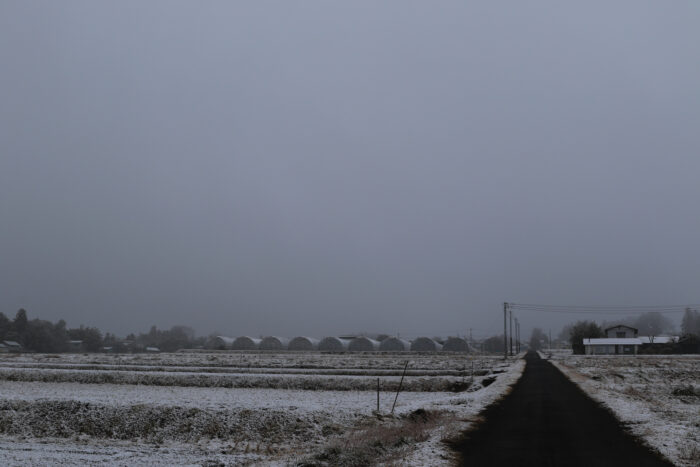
(44, 336)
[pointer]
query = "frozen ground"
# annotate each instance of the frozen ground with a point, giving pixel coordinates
(72, 421)
(214, 398)
(305, 370)
(286, 360)
(657, 397)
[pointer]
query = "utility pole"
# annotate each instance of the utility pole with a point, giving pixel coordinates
(511, 332)
(517, 336)
(505, 333)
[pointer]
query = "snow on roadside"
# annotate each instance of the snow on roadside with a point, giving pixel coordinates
(652, 395)
(466, 407)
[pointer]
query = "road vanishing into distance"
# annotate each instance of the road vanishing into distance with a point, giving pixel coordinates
(548, 421)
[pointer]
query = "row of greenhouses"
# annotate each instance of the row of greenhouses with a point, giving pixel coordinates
(339, 344)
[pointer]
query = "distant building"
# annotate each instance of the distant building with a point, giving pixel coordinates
(274, 343)
(219, 342)
(612, 346)
(333, 344)
(394, 344)
(363, 344)
(425, 344)
(622, 340)
(126, 344)
(12, 346)
(303, 343)
(246, 343)
(152, 349)
(621, 331)
(455, 344)
(75, 345)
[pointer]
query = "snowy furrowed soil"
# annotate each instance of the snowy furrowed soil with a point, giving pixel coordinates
(352, 372)
(261, 359)
(232, 408)
(263, 381)
(212, 398)
(656, 397)
(242, 370)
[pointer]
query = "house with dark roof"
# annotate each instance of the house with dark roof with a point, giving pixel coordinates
(621, 331)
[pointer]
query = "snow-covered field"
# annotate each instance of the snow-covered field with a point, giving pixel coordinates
(232, 408)
(262, 359)
(657, 397)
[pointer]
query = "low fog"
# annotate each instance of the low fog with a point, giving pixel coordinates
(314, 168)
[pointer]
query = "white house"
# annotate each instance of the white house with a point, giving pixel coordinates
(612, 346)
(622, 340)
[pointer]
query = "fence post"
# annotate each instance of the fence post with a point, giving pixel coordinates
(377, 396)
(400, 385)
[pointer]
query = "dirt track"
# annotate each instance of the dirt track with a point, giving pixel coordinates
(549, 421)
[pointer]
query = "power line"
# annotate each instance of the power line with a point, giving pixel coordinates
(601, 310)
(598, 312)
(600, 306)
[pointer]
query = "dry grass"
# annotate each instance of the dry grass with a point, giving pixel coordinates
(66, 419)
(687, 390)
(380, 441)
(690, 454)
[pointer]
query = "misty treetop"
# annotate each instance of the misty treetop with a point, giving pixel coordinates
(538, 339)
(690, 325)
(44, 336)
(583, 330)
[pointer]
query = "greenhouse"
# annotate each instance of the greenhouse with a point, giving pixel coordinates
(455, 344)
(394, 344)
(245, 343)
(274, 343)
(425, 344)
(303, 343)
(333, 344)
(363, 344)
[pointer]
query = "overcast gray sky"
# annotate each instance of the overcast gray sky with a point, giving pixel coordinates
(277, 167)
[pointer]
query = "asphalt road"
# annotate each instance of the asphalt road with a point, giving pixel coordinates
(548, 421)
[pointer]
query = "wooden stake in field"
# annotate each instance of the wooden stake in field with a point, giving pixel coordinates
(377, 396)
(399, 390)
